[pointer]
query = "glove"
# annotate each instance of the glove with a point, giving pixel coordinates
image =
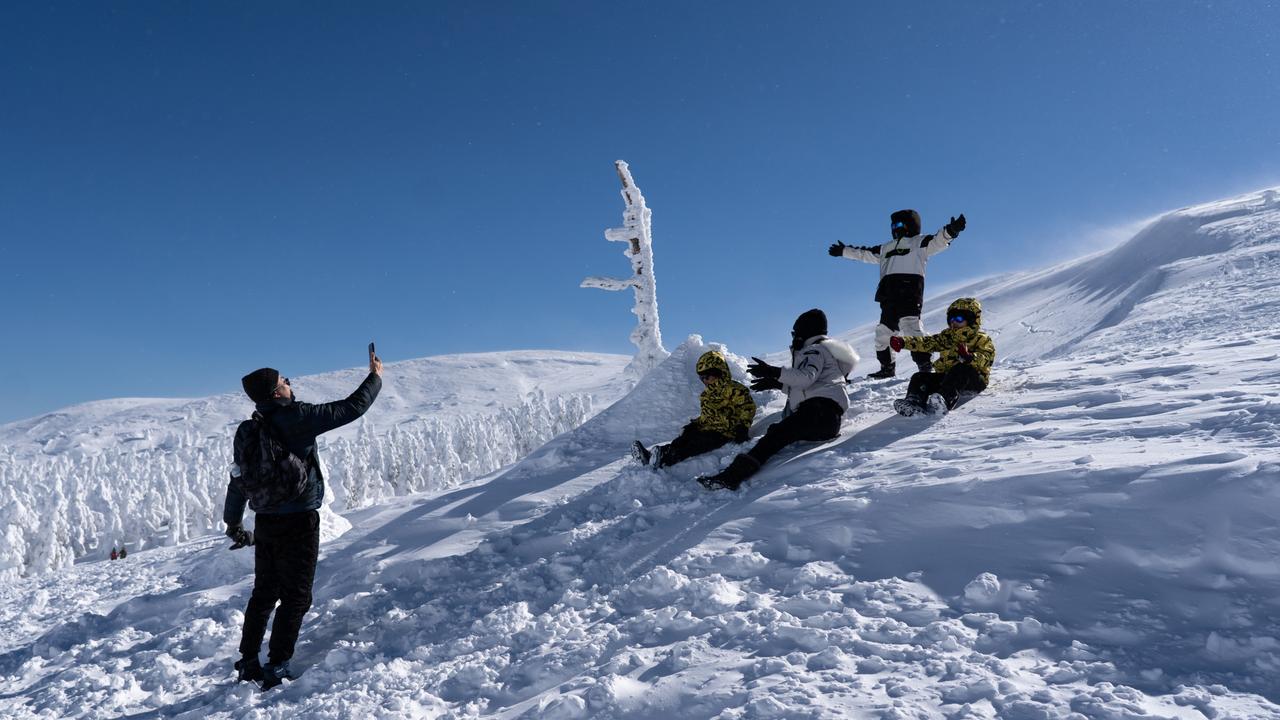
(762, 384)
(955, 227)
(836, 249)
(896, 343)
(242, 537)
(963, 351)
(761, 369)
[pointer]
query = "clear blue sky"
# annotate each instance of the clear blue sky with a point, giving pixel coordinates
(189, 191)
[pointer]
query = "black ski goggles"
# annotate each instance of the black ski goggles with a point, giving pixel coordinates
(959, 318)
(899, 225)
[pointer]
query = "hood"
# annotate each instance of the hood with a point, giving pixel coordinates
(970, 305)
(713, 361)
(910, 218)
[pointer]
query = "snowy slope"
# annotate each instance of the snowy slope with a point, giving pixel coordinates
(142, 472)
(1092, 538)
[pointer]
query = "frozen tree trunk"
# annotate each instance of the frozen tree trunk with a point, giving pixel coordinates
(635, 232)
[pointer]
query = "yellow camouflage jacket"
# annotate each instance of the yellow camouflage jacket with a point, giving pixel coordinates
(726, 405)
(945, 342)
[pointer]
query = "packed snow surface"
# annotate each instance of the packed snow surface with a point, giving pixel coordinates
(1093, 537)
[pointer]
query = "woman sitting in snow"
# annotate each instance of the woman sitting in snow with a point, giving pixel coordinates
(726, 414)
(965, 354)
(816, 398)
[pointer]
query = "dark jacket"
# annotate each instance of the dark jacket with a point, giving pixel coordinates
(298, 424)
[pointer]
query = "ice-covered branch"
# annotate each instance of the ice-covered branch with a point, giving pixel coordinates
(636, 233)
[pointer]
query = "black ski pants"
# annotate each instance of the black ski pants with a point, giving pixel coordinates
(285, 550)
(813, 419)
(689, 443)
(961, 377)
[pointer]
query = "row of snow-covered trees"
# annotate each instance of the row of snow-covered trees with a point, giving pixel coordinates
(54, 509)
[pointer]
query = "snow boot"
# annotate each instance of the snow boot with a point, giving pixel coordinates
(640, 453)
(887, 367)
(275, 673)
(907, 407)
(742, 467)
(248, 669)
(936, 405)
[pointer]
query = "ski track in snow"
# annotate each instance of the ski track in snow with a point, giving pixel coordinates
(1093, 537)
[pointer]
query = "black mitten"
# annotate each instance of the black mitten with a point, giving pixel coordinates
(761, 369)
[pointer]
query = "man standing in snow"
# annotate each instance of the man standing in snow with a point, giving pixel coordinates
(901, 289)
(287, 538)
(816, 397)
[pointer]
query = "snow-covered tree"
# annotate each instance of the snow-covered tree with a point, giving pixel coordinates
(635, 232)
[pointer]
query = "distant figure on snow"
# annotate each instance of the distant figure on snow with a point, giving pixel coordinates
(901, 289)
(726, 414)
(124, 553)
(277, 472)
(114, 555)
(816, 398)
(965, 355)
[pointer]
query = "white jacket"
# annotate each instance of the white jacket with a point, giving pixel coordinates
(904, 256)
(818, 369)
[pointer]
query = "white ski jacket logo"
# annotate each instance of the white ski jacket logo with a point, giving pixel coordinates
(818, 369)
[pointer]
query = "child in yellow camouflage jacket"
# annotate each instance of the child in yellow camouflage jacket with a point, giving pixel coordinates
(726, 414)
(965, 355)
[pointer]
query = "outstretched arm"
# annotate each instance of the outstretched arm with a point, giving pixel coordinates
(866, 254)
(928, 343)
(941, 240)
(328, 416)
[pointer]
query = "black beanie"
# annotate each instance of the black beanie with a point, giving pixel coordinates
(810, 323)
(260, 384)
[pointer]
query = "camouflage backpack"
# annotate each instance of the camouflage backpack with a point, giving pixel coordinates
(269, 473)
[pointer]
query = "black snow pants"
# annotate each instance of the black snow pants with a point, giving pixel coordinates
(689, 443)
(286, 548)
(961, 377)
(813, 419)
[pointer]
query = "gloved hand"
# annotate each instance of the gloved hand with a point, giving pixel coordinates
(896, 343)
(242, 537)
(761, 369)
(836, 249)
(963, 351)
(761, 384)
(955, 227)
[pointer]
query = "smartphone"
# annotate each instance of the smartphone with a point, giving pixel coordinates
(371, 350)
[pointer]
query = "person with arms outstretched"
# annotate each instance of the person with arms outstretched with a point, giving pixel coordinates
(901, 289)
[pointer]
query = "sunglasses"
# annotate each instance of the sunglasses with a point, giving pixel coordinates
(958, 318)
(283, 382)
(898, 225)
(709, 375)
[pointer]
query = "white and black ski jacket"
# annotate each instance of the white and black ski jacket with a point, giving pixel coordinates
(902, 264)
(818, 369)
